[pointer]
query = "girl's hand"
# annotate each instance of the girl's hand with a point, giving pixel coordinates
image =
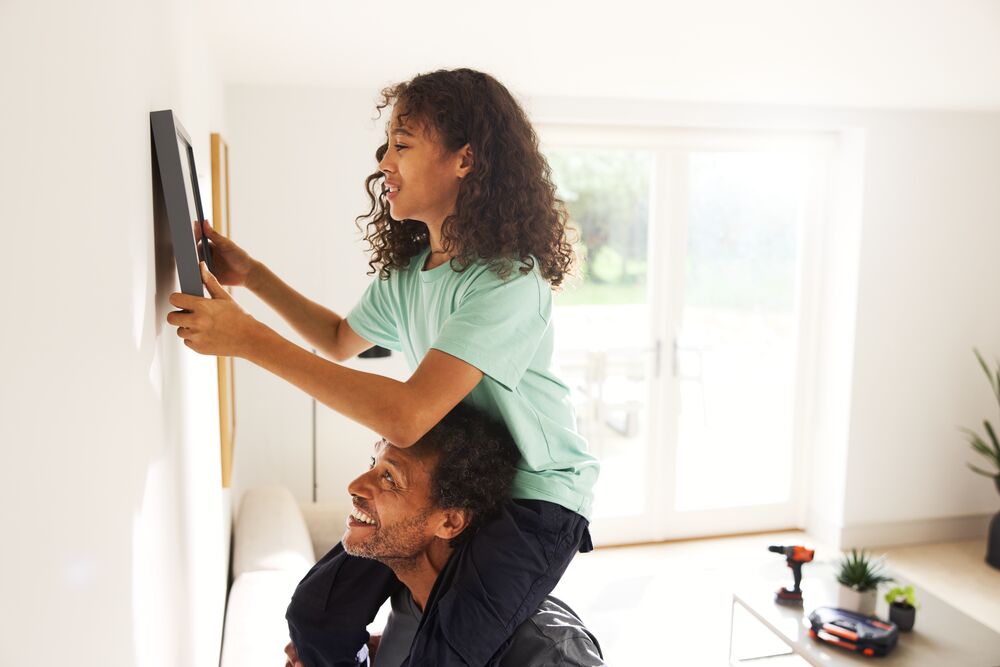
(218, 325)
(232, 263)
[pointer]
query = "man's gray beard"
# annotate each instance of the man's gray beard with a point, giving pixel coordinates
(397, 546)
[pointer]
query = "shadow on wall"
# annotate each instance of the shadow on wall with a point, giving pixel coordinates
(179, 514)
(163, 247)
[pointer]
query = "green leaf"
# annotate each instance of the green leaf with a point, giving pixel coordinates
(858, 570)
(984, 365)
(981, 447)
(902, 594)
(982, 472)
(978, 444)
(994, 379)
(997, 390)
(993, 437)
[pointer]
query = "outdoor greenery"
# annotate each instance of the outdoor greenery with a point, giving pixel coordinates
(991, 451)
(583, 293)
(858, 570)
(742, 227)
(607, 195)
(902, 596)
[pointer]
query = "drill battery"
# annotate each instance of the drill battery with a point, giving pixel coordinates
(853, 632)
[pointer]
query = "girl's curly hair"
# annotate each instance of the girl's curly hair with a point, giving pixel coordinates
(507, 210)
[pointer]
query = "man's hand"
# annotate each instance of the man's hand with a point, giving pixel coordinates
(293, 656)
(213, 326)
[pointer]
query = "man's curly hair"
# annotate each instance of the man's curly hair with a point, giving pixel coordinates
(507, 211)
(476, 459)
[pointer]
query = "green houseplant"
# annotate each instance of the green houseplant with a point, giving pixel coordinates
(859, 576)
(902, 607)
(991, 452)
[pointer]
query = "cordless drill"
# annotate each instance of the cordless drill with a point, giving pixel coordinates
(795, 557)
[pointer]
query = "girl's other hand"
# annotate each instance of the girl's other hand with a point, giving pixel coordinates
(216, 325)
(232, 264)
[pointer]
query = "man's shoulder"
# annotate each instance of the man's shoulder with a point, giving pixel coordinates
(553, 635)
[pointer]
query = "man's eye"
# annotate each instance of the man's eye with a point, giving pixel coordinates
(388, 477)
(371, 464)
(399, 147)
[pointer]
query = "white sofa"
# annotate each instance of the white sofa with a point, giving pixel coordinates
(273, 548)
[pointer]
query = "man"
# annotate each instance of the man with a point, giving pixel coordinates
(413, 510)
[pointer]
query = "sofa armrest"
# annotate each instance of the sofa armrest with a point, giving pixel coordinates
(256, 632)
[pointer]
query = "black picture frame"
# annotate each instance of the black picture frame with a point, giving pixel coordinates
(173, 158)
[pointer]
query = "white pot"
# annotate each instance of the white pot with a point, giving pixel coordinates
(852, 600)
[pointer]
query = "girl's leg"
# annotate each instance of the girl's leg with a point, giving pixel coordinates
(496, 581)
(332, 606)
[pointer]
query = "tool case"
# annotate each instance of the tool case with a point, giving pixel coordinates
(851, 631)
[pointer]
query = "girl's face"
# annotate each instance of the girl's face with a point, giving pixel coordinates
(422, 177)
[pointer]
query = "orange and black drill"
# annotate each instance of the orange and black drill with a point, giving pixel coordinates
(795, 557)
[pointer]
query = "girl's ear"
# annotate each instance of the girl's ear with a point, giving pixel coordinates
(465, 166)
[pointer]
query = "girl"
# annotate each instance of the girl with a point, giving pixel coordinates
(468, 240)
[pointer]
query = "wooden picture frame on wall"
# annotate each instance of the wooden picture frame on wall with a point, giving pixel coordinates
(220, 222)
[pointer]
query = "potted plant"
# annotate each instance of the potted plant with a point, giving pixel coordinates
(991, 452)
(902, 607)
(859, 578)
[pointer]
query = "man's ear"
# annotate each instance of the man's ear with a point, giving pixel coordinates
(465, 166)
(453, 522)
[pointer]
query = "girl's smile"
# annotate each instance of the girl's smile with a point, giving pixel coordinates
(417, 157)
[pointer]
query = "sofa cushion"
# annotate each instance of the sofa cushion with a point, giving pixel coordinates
(325, 522)
(270, 534)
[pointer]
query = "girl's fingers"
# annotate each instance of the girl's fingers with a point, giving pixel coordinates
(214, 236)
(179, 318)
(185, 301)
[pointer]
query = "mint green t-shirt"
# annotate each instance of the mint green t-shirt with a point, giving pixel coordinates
(503, 328)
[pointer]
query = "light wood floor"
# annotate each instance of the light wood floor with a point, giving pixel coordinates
(669, 604)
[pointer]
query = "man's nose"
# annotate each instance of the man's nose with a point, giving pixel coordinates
(360, 486)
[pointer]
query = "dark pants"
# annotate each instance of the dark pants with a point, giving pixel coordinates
(489, 586)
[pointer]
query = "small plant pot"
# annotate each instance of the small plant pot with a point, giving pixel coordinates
(903, 616)
(993, 538)
(852, 600)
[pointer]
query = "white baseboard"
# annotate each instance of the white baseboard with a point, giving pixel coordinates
(918, 531)
(824, 531)
(898, 533)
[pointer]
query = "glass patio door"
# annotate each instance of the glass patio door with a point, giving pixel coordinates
(682, 341)
(605, 346)
(744, 229)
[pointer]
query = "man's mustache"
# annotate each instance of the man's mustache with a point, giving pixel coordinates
(361, 505)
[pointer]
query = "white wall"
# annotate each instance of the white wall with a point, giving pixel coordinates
(888, 54)
(930, 289)
(115, 525)
(298, 158)
(908, 279)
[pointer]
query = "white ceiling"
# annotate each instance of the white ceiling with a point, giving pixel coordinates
(869, 53)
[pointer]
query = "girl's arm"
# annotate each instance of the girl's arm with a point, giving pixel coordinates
(402, 412)
(325, 330)
(318, 325)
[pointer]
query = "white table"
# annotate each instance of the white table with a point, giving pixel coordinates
(942, 636)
